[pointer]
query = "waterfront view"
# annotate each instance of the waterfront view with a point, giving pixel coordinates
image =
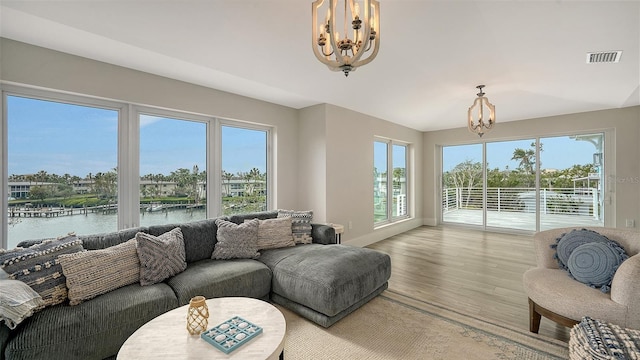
(91, 223)
(67, 169)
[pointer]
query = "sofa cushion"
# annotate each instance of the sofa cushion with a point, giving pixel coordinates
(301, 224)
(95, 272)
(18, 301)
(160, 256)
(236, 241)
(95, 329)
(327, 278)
(105, 240)
(38, 266)
(219, 278)
(566, 243)
(260, 215)
(274, 233)
(199, 237)
(595, 263)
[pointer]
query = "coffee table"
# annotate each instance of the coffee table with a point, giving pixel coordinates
(166, 336)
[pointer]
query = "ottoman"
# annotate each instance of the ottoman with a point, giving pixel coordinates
(593, 339)
(325, 283)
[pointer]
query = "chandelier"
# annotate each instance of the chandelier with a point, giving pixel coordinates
(345, 52)
(482, 124)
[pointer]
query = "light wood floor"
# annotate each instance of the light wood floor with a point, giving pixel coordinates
(471, 271)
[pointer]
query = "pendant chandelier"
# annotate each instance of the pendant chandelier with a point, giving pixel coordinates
(345, 52)
(482, 124)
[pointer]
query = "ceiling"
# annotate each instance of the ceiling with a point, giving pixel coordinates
(531, 55)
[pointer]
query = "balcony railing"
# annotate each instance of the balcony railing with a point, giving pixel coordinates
(567, 201)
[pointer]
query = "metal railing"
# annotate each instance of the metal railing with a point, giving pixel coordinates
(568, 201)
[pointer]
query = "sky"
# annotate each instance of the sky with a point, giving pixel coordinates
(559, 152)
(78, 140)
(87, 143)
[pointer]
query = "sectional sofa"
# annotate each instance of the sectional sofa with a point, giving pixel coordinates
(321, 281)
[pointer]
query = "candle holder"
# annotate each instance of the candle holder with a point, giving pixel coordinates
(198, 315)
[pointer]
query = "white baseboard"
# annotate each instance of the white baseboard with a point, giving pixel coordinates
(385, 232)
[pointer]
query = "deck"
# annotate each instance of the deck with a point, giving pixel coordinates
(518, 220)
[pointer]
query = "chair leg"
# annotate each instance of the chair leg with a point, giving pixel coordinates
(534, 318)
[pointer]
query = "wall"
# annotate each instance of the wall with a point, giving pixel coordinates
(622, 151)
(25, 64)
(348, 176)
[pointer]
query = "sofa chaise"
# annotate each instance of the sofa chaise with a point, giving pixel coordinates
(322, 281)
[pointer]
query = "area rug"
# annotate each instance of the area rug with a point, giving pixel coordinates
(390, 327)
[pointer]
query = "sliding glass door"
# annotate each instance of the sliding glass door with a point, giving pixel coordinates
(511, 184)
(530, 184)
(462, 184)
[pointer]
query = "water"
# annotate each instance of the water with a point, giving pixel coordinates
(92, 223)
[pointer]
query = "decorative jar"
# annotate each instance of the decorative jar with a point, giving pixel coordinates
(198, 315)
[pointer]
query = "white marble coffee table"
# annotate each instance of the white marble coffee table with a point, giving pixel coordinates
(166, 336)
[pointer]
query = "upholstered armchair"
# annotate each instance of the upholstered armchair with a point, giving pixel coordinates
(557, 296)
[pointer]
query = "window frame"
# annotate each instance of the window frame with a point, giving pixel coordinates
(128, 148)
(390, 219)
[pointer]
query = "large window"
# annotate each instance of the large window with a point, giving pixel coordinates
(75, 164)
(529, 184)
(62, 166)
(173, 170)
(390, 181)
(244, 170)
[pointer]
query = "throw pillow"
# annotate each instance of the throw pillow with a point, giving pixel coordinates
(566, 243)
(300, 225)
(18, 301)
(95, 272)
(236, 241)
(275, 233)
(161, 257)
(595, 263)
(39, 267)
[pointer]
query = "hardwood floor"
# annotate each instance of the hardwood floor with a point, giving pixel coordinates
(473, 272)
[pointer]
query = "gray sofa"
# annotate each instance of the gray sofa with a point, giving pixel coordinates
(322, 282)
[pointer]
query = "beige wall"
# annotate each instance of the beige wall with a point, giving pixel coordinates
(348, 172)
(35, 66)
(622, 154)
(324, 154)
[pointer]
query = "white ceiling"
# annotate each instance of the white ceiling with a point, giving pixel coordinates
(529, 54)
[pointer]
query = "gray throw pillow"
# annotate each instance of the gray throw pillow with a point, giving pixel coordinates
(161, 257)
(300, 224)
(567, 242)
(595, 263)
(236, 241)
(39, 267)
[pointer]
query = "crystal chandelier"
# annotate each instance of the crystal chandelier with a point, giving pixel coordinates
(346, 52)
(478, 107)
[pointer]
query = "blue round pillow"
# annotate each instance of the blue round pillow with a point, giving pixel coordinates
(571, 240)
(595, 263)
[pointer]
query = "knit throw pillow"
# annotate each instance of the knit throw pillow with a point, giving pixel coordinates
(236, 241)
(39, 267)
(275, 233)
(300, 224)
(566, 243)
(161, 257)
(595, 263)
(95, 272)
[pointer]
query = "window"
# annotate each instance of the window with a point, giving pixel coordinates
(173, 170)
(530, 184)
(62, 161)
(76, 164)
(390, 181)
(244, 170)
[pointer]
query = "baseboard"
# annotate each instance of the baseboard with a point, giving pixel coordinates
(385, 232)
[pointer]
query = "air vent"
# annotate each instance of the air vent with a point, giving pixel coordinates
(604, 57)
